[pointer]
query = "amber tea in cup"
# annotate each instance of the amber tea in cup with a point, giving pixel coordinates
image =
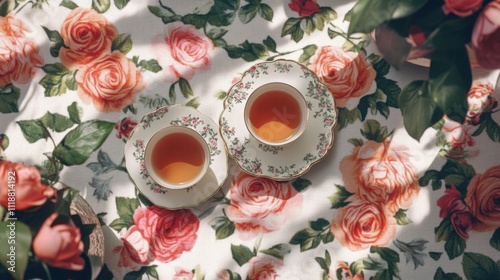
(276, 113)
(177, 157)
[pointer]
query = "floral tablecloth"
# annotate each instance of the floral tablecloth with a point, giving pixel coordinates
(77, 76)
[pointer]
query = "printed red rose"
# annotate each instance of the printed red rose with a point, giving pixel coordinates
(19, 59)
(181, 50)
(453, 206)
(125, 127)
(135, 250)
(485, 34)
(479, 100)
(264, 267)
(382, 173)
(59, 245)
(483, 196)
(87, 36)
(110, 83)
(363, 223)
(462, 8)
(346, 74)
(260, 205)
(305, 8)
(29, 191)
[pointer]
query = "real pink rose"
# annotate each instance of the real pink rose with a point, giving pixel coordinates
(59, 245)
(29, 190)
(382, 173)
(346, 74)
(110, 83)
(260, 205)
(304, 7)
(135, 249)
(485, 36)
(87, 36)
(462, 8)
(483, 195)
(181, 50)
(264, 267)
(363, 223)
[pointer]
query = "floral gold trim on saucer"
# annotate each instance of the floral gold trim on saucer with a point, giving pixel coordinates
(293, 159)
(176, 115)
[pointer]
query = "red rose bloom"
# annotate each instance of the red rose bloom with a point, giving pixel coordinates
(305, 8)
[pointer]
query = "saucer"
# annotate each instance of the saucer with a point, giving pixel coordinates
(286, 162)
(180, 116)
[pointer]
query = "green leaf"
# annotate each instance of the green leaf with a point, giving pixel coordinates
(408, 7)
(270, 44)
(266, 12)
(20, 249)
(478, 266)
(9, 95)
(75, 113)
(223, 12)
(301, 184)
(125, 208)
(122, 43)
(492, 129)
(223, 227)
(441, 275)
(55, 39)
(33, 130)
(369, 14)
(4, 141)
(435, 255)
(372, 130)
(185, 87)
(216, 33)
(418, 108)
(241, 254)
(120, 4)
(347, 116)
(495, 239)
(151, 65)
(69, 4)
(452, 33)
(391, 89)
(248, 12)
(356, 142)
(292, 27)
(455, 245)
(278, 251)
(6, 7)
(320, 225)
(307, 239)
(338, 200)
(458, 173)
(56, 122)
(101, 6)
(56, 80)
(401, 217)
(450, 79)
(308, 52)
(193, 102)
(82, 141)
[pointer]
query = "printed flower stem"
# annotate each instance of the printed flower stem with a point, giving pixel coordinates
(348, 38)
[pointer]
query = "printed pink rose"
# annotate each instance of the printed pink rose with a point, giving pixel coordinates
(59, 245)
(485, 34)
(19, 58)
(363, 223)
(381, 173)
(182, 274)
(110, 83)
(125, 127)
(479, 100)
(345, 272)
(175, 232)
(304, 7)
(346, 74)
(483, 196)
(12, 27)
(457, 135)
(135, 249)
(453, 206)
(223, 275)
(264, 267)
(29, 191)
(87, 36)
(462, 8)
(181, 50)
(260, 205)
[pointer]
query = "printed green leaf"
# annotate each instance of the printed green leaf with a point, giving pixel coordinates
(248, 12)
(325, 262)
(6, 7)
(347, 116)
(223, 227)
(56, 122)
(101, 6)
(185, 87)
(139, 274)
(308, 52)
(278, 251)
(4, 141)
(431, 175)
(216, 33)
(103, 165)
(56, 41)
(478, 266)
(435, 255)
(33, 130)
(356, 142)
(9, 95)
(310, 238)
(122, 43)
(338, 200)
(151, 65)
(55, 82)
(75, 113)
(292, 27)
(413, 251)
(125, 208)
(392, 259)
(82, 141)
(418, 108)
(372, 130)
(266, 12)
(20, 250)
(369, 14)
(270, 44)
(120, 4)
(301, 184)
(401, 217)
(457, 173)
(69, 4)
(495, 239)
(441, 275)
(241, 254)
(391, 89)
(382, 67)
(492, 129)
(223, 12)
(455, 245)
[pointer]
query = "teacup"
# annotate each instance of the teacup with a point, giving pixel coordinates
(177, 157)
(276, 114)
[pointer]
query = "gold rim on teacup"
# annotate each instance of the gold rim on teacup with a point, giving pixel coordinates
(193, 142)
(276, 131)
